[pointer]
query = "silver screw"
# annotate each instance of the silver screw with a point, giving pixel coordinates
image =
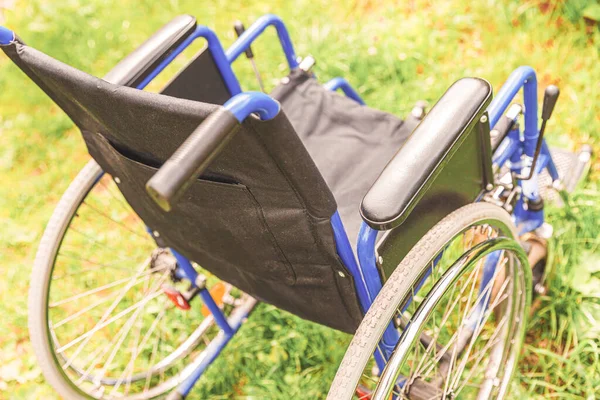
(285, 80)
(380, 260)
(483, 119)
(340, 273)
(489, 187)
(540, 289)
(201, 281)
(117, 179)
(156, 234)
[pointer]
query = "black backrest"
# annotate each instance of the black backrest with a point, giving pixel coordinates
(259, 218)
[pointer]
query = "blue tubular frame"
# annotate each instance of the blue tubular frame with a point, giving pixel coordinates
(244, 104)
(6, 36)
(255, 30)
(344, 250)
(341, 83)
(522, 77)
(217, 52)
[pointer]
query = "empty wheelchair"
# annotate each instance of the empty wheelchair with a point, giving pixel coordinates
(418, 236)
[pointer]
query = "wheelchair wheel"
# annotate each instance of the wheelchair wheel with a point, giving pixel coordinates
(99, 322)
(458, 303)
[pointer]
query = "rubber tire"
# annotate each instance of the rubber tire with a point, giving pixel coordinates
(42, 270)
(412, 266)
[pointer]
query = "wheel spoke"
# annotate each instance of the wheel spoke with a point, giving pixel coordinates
(122, 225)
(121, 334)
(86, 337)
(105, 322)
(497, 301)
(138, 276)
(447, 314)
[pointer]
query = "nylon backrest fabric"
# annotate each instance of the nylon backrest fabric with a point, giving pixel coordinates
(259, 218)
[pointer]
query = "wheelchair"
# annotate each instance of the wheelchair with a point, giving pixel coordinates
(424, 238)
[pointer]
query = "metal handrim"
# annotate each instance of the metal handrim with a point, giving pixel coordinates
(390, 375)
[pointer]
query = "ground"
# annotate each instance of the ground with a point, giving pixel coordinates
(394, 53)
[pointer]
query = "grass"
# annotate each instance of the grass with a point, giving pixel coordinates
(394, 53)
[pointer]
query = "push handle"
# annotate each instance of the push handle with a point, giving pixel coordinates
(192, 158)
(239, 29)
(550, 96)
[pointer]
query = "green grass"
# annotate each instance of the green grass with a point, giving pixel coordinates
(394, 53)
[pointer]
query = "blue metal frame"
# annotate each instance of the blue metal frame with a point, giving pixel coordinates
(6, 36)
(341, 83)
(522, 77)
(255, 30)
(217, 52)
(244, 104)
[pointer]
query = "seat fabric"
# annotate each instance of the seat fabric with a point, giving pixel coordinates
(350, 143)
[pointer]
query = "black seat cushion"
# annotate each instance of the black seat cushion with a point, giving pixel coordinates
(350, 143)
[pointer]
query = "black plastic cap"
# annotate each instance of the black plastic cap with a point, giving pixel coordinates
(550, 96)
(239, 29)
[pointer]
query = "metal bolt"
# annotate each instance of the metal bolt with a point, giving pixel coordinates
(540, 289)
(307, 63)
(285, 80)
(375, 371)
(200, 281)
(156, 234)
(483, 119)
(489, 187)
(380, 259)
(340, 273)
(117, 179)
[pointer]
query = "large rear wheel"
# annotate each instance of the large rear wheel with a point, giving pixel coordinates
(100, 324)
(457, 303)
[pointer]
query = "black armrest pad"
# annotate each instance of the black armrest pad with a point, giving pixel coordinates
(405, 179)
(132, 70)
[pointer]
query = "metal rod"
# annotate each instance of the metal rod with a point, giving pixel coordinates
(255, 30)
(239, 30)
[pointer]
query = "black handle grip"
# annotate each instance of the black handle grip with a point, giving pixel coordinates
(192, 158)
(550, 96)
(239, 29)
